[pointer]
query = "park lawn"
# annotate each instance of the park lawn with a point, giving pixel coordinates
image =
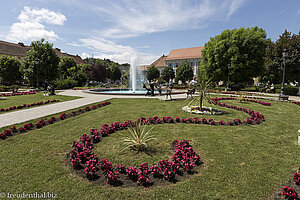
(240, 162)
(31, 98)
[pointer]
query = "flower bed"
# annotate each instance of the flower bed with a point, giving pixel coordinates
(296, 102)
(85, 161)
(206, 111)
(16, 94)
(27, 105)
(44, 122)
(232, 98)
(290, 193)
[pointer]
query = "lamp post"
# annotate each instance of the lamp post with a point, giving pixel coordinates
(284, 55)
(36, 62)
(228, 86)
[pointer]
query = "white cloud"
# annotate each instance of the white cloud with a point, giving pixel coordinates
(103, 48)
(299, 11)
(235, 4)
(30, 25)
(131, 18)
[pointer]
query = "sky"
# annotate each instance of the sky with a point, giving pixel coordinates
(144, 29)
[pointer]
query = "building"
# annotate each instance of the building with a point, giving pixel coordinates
(177, 57)
(190, 55)
(20, 50)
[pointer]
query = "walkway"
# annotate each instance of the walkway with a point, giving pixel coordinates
(20, 116)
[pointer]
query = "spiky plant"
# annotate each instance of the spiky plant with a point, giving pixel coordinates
(202, 87)
(138, 138)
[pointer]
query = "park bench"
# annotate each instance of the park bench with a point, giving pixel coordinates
(284, 97)
(190, 92)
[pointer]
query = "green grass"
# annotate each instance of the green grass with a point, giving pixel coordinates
(31, 98)
(242, 162)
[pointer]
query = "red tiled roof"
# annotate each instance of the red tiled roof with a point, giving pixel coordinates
(20, 50)
(159, 63)
(11, 49)
(186, 53)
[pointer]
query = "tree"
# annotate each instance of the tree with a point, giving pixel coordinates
(115, 72)
(274, 59)
(243, 49)
(168, 73)
(47, 62)
(97, 72)
(184, 72)
(66, 66)
(10, 70)
(152, 73)
(78, 73)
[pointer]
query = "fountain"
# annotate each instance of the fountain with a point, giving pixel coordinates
(135, 83)
(133, 73)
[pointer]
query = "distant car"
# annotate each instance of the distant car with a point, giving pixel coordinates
(259, 84)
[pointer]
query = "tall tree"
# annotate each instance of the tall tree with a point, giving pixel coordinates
(167, 73)
(115, 72)
(10, 70)
(152, 73)
(184, 72)
(66, 65)
(97, 72)
(274, 58)
(243, 49)
(41, 61)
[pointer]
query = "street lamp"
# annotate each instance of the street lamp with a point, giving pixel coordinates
(284, 55)
(37, 73)
(228, 86)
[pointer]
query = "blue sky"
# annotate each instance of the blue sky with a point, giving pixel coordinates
(149, 28)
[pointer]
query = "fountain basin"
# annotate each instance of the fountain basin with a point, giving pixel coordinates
(126, 91)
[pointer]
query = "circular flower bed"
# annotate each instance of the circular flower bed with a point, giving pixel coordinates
(204, 111)
(84, 161)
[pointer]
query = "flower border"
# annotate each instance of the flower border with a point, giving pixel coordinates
(44, 122)
(27, 105)
(82, 157)
(16, 94)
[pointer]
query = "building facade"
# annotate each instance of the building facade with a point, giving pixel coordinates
(190, 55)
(178, 56)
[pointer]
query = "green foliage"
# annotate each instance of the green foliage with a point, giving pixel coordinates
(10, 70)
(98, 72)
(4, 88)
(274, 59)
(203, 83)
(152, 73)
(47, 62)
(242, 48)
(64, 83)
(168, 73)
(288, 89)
(115, 72)
(184, 72)
(66, 66)
(138, 138)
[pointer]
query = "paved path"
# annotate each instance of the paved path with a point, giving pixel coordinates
(42, 111)
(20, 116)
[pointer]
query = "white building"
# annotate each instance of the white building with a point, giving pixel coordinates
(177, 57)
(190, 55)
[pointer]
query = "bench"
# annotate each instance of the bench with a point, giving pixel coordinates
(190, 92)
(283, 97)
